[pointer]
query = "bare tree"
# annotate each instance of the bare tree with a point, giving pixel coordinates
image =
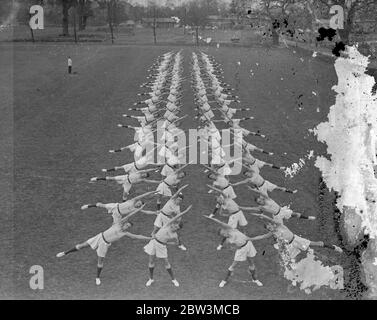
(352, 10)
(277, 14)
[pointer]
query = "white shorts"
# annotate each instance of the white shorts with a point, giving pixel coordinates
(247, 251)
(164, 189)
(229, 192)
(209, 114)
(237, 219)
(284, 214)
(298, 244)
(155, 248)
(97, 243)
(126, 187)
(166, 170)
(128, 167)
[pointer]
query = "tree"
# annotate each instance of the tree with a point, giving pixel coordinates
(277, 14)
(84, 11)
(352, 10)
(238, 8)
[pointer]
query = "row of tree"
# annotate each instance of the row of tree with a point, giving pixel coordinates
(279, 15)
(283, 15)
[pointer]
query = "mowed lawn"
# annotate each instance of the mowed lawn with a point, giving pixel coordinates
(65, 125)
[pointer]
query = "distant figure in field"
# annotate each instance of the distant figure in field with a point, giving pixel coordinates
(69, 65)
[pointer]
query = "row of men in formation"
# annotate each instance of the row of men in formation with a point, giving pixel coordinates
(162, 108)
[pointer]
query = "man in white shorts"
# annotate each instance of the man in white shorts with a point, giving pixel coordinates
(245, 250)
(233, 211)
(285, 239)
(138, 165)
(127, 180)
(269, 206)
(157, 247)
(222, 183)
(119, 210)
(169, 211)
(255, 180)
(102, 241)
(254, 164)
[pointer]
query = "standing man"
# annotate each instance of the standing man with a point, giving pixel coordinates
(157, 247)
(69, 65)
(244, 250)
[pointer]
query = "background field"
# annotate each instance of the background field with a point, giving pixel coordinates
(65, 125)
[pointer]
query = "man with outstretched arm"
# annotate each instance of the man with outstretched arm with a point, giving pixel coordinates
(245, 250)
(269, 206)
(157, 247)
(119, 210)
(102, 241)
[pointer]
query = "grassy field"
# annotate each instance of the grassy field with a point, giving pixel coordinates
(65, 125)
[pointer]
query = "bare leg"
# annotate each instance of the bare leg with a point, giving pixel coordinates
(159, 202)
(125, 195)
(229, 273)
(74, 249)
(170, 271)
(99, 269)
(151, 265)
(253, 272)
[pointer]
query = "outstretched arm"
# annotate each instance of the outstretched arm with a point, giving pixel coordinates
(137, 236)
(263, 216)
(301, 216)
(261, 237)
(97, 205)
(149, 212)
(127, 217)
(179, 191)
(152, 181)
(222, 224)
(285, 189)
(144, 195)
(215, 189)
(252, 209)
(181, 168)
(178, 216)
(209, 168)
(261, 193)
(273, 166)
(239, 183)
(325, 245)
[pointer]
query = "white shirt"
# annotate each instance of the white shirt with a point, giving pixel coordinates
(69, 62)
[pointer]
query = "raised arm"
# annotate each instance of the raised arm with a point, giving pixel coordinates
(178, 216)
(215, 189)
(179, 191)
(222, 224)
(261, 237)
(181, 168)
(264, 195)
(209, 168)
(149, 212)
(127, 217)
(239, 183)
(263, 216)
(144, 195)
